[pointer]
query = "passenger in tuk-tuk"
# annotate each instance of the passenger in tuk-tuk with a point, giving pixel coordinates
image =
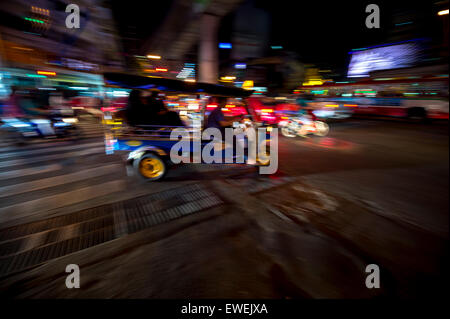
(149, 110)
(135, 112)
(164, 116)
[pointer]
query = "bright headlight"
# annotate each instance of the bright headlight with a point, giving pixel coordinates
(70, 120)
(20, 125)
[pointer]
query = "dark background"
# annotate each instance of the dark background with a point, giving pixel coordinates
(318, 31)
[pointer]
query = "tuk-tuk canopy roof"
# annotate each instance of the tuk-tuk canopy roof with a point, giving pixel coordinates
(132, 81)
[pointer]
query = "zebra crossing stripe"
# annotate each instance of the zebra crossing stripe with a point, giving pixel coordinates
(48, 149)
(30, 171)
(26, 187)
(26, 161)
(34, 146)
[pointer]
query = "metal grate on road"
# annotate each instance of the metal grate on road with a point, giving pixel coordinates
(32, 244)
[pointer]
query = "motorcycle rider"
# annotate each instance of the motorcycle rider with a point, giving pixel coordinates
(36, 112)
(305, 110)
(305, 121)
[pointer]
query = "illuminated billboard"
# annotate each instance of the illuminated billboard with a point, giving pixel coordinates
(383, 58)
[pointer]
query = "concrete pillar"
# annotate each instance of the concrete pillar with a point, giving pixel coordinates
(208, 49)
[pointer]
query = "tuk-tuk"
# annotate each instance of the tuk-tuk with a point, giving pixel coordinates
(152, 149)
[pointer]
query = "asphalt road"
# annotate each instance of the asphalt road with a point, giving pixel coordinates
(370, 192)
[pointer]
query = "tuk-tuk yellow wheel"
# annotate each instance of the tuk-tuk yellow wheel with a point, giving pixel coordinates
(150, 167)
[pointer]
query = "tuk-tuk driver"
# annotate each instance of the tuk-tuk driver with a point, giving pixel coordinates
(217, 119)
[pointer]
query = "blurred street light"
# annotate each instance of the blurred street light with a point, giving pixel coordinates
(154, 57)
(228, 78)
(225, 45)
(46, 73)
(443, 12)
(34, 20)
(247, 85)
(36, 76)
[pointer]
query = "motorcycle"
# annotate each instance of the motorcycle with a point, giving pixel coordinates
(59, 124)
(302, 126)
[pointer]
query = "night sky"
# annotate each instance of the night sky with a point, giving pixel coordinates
(137, 18)
(318, 31)
(324, 31)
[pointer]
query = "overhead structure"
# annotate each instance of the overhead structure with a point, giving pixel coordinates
(188, 23)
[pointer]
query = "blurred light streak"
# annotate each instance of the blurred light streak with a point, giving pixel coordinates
(387, 44)
(40, 10)
(33, 33)
(225, 45)
(22, 48)
(46, 73)
(228, 78)
(248, 85)
(404, 23)
(313, 82)
(443, 12)
(70, 120)
(78, 88)
(34, 20)
(155, 57)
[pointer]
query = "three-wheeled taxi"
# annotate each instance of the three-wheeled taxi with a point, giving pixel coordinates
(152, 149)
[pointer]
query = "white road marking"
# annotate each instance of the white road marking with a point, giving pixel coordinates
(26, 161)
(26, 187)
(49, 149)
(29, 171)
